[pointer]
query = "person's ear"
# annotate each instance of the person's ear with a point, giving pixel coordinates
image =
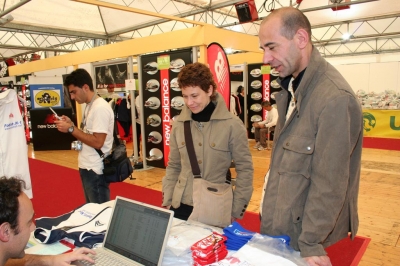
(210, 91)
(5, 232)
(302, 38)
(85, 87)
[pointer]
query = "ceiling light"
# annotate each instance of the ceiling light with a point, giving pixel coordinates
(6, 19)
(346, 36)
(228, 50)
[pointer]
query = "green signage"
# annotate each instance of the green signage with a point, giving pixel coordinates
(163, 62)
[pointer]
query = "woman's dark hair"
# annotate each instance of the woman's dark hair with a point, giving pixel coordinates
(79, 78)
(10, 189)
(239, 89)
(197, 74)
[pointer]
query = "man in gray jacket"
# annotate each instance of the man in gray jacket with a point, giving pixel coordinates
(311, 188)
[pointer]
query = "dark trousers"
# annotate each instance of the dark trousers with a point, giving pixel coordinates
(182, 212)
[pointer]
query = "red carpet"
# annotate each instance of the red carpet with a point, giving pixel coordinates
(57, 190)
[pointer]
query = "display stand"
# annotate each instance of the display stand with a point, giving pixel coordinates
(162, 101)
(261, 84)
(45, 135)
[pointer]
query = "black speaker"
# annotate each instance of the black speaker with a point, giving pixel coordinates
(246, 11)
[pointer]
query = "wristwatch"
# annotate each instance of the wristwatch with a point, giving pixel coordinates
(71, 128)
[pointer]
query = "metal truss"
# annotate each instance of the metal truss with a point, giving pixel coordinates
(20, 41)
(366, 36)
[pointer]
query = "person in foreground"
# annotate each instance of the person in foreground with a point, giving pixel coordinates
(218, 137)
(16, 225)
(311, 188)
(96, 132)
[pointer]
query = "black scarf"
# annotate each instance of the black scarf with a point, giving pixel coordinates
(205, 114)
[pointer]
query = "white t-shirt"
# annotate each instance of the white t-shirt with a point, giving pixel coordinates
(99, 119)
(13, 148)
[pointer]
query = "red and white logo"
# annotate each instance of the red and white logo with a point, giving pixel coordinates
(166, 112)
(266, 91)
(219, 66)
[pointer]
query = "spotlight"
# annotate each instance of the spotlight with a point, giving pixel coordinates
(228, 50)
(346, 36)
(6, 19)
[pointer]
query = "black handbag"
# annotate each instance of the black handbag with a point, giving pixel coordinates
(117, 166)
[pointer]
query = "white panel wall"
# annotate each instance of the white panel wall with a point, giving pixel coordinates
(356, 75)
(371, 73)
(384, 76)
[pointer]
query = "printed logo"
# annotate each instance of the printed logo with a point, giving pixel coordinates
(369, 121)
(48, 122)
(98, 223)
(47, 98)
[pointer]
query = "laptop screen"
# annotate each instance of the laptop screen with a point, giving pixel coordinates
(137, 231)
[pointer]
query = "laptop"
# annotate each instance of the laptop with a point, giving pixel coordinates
(137, 233)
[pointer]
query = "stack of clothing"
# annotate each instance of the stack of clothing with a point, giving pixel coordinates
(237, 236)
(209, 249)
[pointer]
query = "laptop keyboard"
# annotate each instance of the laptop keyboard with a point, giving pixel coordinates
(106, 259)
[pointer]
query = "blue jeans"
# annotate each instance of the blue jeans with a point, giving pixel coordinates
(94, 186)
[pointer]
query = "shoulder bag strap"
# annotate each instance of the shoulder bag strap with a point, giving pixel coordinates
(116, 142)
(190, 148)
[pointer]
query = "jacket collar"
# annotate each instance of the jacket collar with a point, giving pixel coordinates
(220, 113)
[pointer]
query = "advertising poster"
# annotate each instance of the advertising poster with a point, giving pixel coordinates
(219, 66)
(162, 101)
(381, 123)
(262, 86)
(48, 95)
(45, 135)
(381, 129)
(111, 76)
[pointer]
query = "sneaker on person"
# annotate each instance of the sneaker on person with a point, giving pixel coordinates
(261, 148)
(258, 144)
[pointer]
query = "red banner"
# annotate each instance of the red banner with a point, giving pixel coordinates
(25, 111)
(166, 107)
(265, 90)
(219, 66)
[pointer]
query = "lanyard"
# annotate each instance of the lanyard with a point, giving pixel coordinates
(85, 115)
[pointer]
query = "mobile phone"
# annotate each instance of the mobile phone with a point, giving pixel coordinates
(55, 114)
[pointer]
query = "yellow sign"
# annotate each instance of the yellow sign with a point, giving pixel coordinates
(47, 98)
(381, 123)
(265, 69)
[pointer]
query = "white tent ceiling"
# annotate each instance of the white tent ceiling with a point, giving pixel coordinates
(49, 27)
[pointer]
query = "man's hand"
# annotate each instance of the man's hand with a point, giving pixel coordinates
(68, 258)
(318, 261)
(63, 124)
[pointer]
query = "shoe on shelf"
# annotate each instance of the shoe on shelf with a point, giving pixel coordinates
(258, 144)
(261, 148)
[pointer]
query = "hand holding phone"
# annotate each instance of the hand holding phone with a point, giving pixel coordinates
(55, 114)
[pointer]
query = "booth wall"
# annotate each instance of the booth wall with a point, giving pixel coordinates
(372, 73)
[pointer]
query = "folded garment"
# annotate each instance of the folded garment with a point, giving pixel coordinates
(86, 225)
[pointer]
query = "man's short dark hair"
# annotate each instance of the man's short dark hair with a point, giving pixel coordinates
(79, 78)
(265, 104)
(10, 189)
(293, 21)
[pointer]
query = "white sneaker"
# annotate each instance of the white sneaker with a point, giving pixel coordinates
(261, 148)
(257, 145)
